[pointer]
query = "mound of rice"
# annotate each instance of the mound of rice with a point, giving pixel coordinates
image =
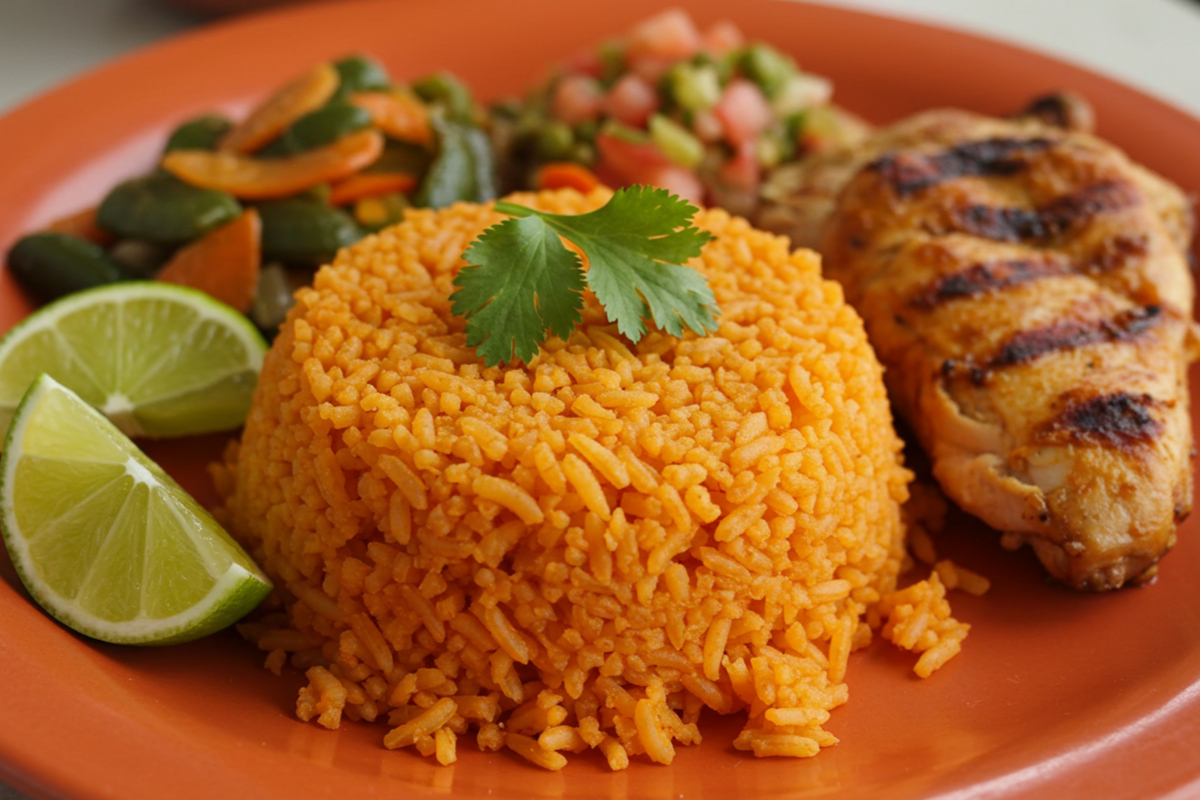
(585, 552)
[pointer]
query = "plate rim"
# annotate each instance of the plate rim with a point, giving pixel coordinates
(40, 779)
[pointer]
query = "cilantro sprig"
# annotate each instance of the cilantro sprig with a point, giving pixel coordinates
(522, 281)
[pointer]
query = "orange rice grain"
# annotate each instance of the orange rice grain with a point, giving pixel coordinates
(583, 552)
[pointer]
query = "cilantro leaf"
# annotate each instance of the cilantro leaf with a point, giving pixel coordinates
(524, 281)
(635, 244)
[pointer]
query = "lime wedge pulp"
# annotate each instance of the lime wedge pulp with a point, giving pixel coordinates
(104, 539)
(158, 359)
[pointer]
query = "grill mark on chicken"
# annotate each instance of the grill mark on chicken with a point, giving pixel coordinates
(908, 173)
(988, 276)
(1026, 345)
(1050, 221)
(1029, 344)
(1113, 254)
(1089, 202)
(1119, 421)
(899, 239)
(1118, 252)
(1061, 110)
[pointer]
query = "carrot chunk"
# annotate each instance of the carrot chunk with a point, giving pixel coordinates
(566, 175)
(264, 178)
(224, 262)
(370, 184)
(273, 116)
(84, 225)
(398, 114)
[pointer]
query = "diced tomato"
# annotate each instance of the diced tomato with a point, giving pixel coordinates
(678, 180)
(608, 176)
(577, 98)
(651, 68)
(623, 162)
(735, 186)
(632, 100)
(659, 42)
(629, 160)
(707, 127)
(743, 111)
(742, 171)
(671, 34)
(721, 38)
(585, 62)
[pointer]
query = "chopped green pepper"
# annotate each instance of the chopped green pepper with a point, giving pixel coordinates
(201, 133)
(50, 264)
(359, 73)
(464, 168)
(301, 230)
(675, 142)
(448, 92)
(767, 67)
(694, 87)
(161, 208)
(328, 123)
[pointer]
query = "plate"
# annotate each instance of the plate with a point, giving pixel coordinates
(1054, 693)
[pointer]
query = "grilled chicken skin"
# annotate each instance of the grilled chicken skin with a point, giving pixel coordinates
(1027, 289)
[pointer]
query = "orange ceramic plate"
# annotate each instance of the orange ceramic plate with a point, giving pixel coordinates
(1056, 694)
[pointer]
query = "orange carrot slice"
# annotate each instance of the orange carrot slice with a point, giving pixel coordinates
(399, 114)
(263, 178)
(223, 262)
(83, 224)
(267, 121)
(370, 184)
(566, 175)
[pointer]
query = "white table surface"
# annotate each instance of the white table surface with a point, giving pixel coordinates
(1153, 45)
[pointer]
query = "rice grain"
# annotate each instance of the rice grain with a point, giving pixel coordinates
(574, 553)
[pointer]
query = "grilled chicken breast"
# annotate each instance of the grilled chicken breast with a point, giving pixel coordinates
(1027, 289)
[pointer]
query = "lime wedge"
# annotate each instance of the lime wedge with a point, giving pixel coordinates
(158, 359)
(104, 539)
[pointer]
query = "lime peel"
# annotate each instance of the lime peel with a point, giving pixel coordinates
(179, 550)
(159, 359)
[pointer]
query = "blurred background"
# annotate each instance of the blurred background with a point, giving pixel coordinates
(1150, 44)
